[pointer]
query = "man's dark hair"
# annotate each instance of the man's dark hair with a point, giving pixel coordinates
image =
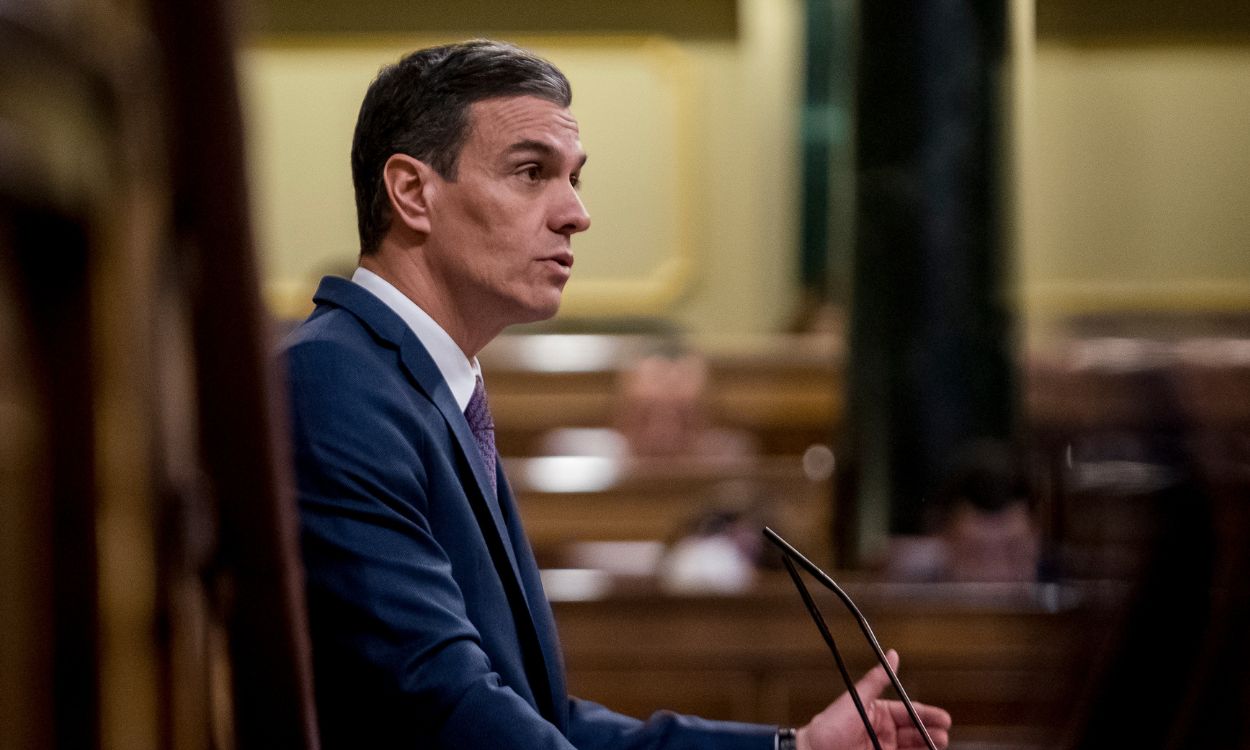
(420, 107)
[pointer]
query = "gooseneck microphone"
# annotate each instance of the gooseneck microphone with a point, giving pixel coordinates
(793, 556)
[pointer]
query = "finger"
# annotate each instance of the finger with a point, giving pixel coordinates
(932, 716)
(891, 658)
(875, 680)
(910, 738)
(936, 721)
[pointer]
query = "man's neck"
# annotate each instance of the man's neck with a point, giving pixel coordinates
(402, 270)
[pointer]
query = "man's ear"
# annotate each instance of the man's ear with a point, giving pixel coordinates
(409, 186)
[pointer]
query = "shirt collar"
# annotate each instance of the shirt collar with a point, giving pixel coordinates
(460, 372)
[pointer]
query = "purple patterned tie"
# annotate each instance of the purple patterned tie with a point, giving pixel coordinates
(477, 413)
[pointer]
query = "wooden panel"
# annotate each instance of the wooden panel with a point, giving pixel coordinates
(1143, 20)
(661, 500)
(691, 18)
(1004, 665)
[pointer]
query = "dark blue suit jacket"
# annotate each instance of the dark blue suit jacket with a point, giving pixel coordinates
(429, 624)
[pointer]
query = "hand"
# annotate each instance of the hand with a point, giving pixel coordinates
(838, 727)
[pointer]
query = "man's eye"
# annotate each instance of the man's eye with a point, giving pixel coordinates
(531, 173)
(575, 181)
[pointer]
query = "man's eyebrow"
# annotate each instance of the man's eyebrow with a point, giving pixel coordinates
(545, 149)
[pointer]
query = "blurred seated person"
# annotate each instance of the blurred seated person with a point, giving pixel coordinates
(661, 411)
(986, 533)
(984, 544)
(721, 548)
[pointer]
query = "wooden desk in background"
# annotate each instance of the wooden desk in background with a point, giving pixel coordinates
(1004, 659)
(570, 499)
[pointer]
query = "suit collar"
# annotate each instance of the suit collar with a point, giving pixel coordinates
(358, 301)
(460, 372)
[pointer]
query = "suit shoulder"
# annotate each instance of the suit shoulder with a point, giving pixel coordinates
(343, 384)
(333, 340)
(333, 326)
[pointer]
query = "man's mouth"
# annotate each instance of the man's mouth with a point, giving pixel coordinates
(564, 260)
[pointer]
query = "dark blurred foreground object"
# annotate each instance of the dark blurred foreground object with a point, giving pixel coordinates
(148, 565)
(1150, 444)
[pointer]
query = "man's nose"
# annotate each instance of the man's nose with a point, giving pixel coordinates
(570, 216)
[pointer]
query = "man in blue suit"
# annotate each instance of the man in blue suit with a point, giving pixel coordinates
(429, 625)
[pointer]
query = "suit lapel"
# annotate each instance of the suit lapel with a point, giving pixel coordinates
(426, 373)
(391, 328)
(502, 511)
(505, 519)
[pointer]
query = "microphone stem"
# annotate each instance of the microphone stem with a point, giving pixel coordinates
(814, 611)
(832, 585)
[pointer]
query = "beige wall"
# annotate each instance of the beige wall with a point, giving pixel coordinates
(692, 180)
(1132, 180)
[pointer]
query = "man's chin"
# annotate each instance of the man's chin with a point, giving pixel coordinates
(541, 310)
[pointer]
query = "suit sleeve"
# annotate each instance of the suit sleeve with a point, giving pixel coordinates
(594, 727)
(398, 664)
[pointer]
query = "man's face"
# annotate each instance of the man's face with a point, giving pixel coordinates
(500, 233)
